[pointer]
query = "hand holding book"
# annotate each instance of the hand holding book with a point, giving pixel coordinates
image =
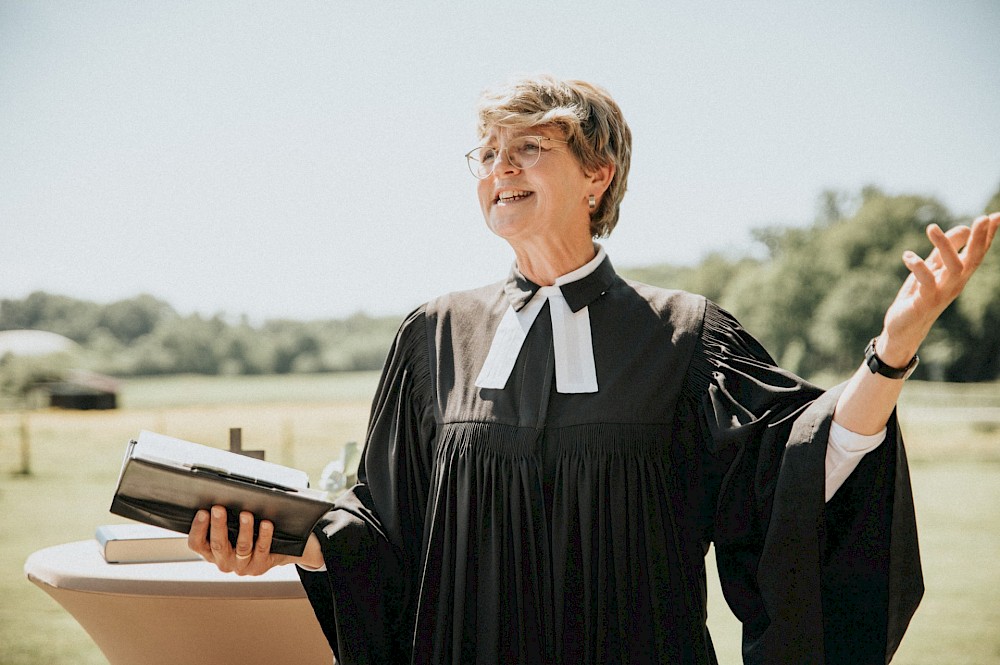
(209, 537)
(169, 482)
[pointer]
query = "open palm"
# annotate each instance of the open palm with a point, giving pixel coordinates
(936, 281)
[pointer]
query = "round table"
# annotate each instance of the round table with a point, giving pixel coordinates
(184, 612)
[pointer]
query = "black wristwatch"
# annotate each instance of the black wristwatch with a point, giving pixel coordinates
(876, 365)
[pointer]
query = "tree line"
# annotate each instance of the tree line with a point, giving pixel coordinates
(144, 336)
(813, 295)
(818, 293)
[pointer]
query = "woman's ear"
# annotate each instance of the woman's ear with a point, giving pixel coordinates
(600, 179)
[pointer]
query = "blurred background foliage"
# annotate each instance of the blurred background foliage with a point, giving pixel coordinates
(816, 294)
(813, 295)
(143, 336)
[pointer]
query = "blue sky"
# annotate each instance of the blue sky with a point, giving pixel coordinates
(304, 159)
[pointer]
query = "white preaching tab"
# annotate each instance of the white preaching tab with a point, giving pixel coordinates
(571, 340)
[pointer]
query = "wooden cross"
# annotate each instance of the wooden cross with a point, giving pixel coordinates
(236, 444)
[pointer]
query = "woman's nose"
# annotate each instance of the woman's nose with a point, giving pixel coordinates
(503, 163)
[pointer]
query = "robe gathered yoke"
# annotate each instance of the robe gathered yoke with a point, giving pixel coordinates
(526, 525)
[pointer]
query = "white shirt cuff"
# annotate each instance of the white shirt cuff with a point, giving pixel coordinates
(844, 451)
(321, 569)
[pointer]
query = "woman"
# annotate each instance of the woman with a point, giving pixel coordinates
(549, 457)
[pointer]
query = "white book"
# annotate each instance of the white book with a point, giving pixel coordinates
(142, 543)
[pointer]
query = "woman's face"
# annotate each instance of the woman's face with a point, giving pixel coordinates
(546, 200)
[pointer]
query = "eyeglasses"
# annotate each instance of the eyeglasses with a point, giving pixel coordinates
(522, 153)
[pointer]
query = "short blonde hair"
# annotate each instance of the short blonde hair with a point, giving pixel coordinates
(590, 119)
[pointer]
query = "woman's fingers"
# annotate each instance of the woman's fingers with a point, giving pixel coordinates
(262, 559)
(263, 548)
(993, 225)
(244, 543)
(938, 279)
(981, 237)
(209, 537)
(973, 242)
(946, 245)
(218, 540)
(919, 268)
(958, 252)
(198, 535)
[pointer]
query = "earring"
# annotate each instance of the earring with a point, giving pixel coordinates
(592, 202)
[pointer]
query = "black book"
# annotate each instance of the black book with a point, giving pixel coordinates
(165, 481)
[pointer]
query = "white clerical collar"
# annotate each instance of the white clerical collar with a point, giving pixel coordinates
(571, 340)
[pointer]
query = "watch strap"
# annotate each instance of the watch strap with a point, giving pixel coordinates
(876, 365)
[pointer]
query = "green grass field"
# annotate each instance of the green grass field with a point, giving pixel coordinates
(952, 433)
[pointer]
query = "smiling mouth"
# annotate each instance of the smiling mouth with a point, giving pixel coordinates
(506, 198)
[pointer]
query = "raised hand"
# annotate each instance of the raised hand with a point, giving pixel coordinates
(933, 284)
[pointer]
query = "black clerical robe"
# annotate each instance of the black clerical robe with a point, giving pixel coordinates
(523, 525)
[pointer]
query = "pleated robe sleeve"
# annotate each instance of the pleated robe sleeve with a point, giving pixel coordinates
(811, 582)
(371, 540)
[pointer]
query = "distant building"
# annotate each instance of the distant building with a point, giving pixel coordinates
(80, 389)
(62, 388)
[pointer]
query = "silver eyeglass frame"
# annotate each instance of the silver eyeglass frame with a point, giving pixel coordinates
(475, 165)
